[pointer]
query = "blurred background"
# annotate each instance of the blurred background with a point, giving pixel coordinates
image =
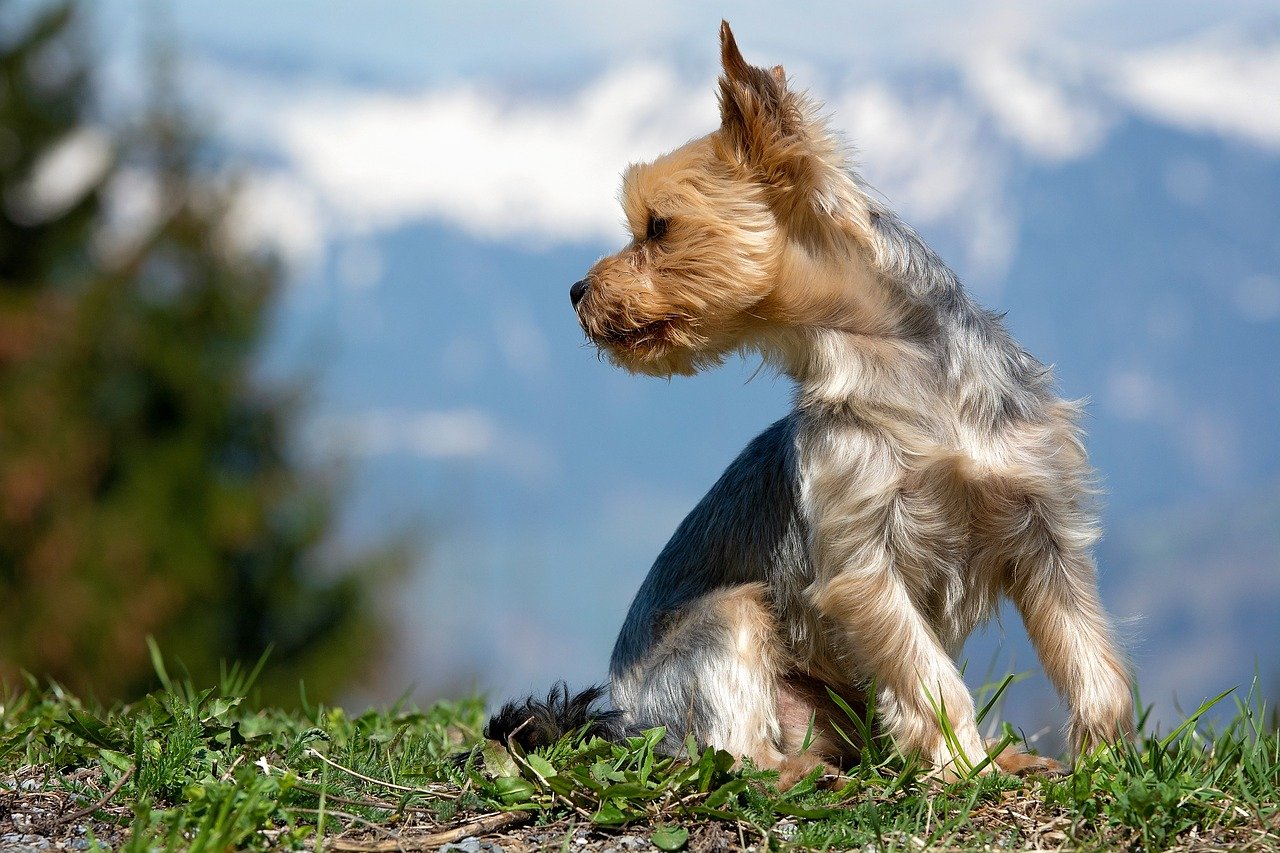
(287, 359)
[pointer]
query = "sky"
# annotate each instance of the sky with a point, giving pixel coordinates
(507, 120)
(436, 175)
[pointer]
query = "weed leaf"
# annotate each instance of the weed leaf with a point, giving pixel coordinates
(670, 837)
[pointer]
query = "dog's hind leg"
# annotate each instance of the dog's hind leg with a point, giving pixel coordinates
(713, 673)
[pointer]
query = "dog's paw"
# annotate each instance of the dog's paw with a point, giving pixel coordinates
(794, 768)
(1018, 763)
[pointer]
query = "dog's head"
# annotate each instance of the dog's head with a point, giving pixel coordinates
(718, 224)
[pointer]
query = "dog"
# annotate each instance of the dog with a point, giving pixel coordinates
(926, 469)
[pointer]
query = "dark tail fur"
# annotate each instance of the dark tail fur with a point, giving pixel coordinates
(534, 722)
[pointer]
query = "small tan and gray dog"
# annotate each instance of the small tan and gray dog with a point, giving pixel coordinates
(926, 469)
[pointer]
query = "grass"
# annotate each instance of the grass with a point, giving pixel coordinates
(202, 770)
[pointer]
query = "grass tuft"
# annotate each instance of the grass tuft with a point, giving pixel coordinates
(201, 769)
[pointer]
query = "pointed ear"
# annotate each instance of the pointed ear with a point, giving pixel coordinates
(776, 133)
(756, 108)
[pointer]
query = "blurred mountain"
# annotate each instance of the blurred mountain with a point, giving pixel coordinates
(1204, 577)
(1150, 274)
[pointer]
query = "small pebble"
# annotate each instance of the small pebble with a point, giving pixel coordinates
(471, 844)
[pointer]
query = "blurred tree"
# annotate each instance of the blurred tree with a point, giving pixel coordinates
(145, 486)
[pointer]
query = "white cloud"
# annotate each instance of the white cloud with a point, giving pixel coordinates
(279, 209)
(62, 176)
(530, 170)
(447, 434)
(1230, 87)
(1257, 298)
(931, 159)
(431, 435)
(547, 169)
(918, 154)
(1035, 110)
(539, 169)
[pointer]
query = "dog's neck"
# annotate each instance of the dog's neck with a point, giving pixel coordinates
(836, 327)
(835, 288)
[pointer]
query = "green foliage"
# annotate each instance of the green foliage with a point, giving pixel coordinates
(202, 770)
(146, 486)
(1166, 787)
(197, 769)
(670, 837)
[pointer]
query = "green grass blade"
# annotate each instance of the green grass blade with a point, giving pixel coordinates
(157, 663)
(1191, 721)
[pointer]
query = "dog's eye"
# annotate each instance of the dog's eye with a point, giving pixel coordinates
(657, 228)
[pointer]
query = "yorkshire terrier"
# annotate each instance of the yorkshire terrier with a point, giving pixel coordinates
(926, 469)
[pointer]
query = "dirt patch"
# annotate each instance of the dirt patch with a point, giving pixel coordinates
(33, 818)
(708, 837)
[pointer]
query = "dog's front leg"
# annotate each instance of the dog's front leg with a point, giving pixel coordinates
(892, 643)
(1052, 578)
(1034, 527)
(879, 538)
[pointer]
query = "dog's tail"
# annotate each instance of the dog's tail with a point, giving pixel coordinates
(533, 722)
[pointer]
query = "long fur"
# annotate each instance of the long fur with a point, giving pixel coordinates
(534, 722)
(927, 468)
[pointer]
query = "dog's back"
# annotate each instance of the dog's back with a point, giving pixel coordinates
(747, 529)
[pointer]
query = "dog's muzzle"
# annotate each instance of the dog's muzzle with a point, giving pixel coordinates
(578, 291)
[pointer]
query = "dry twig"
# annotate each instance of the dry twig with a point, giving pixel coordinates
(480, 826)
(106, 798)
(435, 792)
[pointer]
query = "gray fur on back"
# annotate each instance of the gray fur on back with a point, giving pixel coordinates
(747, 528)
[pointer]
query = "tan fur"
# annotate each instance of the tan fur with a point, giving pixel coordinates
(935, 472)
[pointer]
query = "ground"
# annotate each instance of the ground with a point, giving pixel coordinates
(206, 770)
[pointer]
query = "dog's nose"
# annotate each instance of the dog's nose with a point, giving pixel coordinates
(578, 291)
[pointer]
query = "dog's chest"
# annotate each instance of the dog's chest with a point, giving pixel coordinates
(866, 489)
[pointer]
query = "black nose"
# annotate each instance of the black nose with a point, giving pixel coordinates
(578, 291)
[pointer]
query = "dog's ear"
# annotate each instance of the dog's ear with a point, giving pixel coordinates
(776, 133)
(756, 110)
